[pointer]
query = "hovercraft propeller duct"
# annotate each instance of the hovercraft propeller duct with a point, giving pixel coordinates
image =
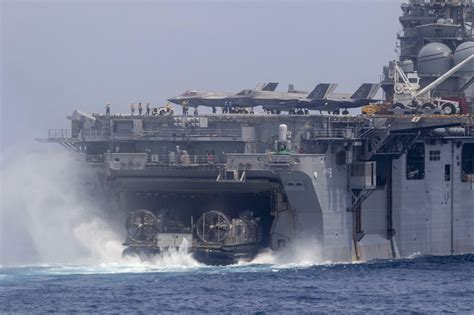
(142, 225)
(213, 227)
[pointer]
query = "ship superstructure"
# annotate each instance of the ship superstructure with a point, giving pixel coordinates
(349, 187)
(435, 36)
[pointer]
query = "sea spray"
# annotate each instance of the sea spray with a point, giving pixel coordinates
(301, 253)
(49, 214)
(170, 260)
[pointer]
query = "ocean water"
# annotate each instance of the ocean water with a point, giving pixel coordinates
(424, 284)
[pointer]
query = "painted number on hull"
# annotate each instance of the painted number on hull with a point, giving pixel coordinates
(328, 171)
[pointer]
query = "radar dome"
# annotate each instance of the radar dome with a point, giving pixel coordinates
(435, 58)
(462, 52)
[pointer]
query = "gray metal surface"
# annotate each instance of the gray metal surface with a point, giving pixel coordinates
(342, 186)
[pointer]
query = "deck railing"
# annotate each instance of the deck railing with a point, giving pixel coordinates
(93, 134)
(154, 160)
(95, 159)
(59, 134)
(345, 133)
(190, 132)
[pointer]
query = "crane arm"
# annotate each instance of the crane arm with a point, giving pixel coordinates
(404, 78)
(444, 77)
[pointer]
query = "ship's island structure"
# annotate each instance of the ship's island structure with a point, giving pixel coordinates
(396, 180)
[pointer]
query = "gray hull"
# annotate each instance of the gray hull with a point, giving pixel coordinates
(347, 188)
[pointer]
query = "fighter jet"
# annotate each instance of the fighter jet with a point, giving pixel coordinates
(334, 102)
(194, 98)
(280, 101)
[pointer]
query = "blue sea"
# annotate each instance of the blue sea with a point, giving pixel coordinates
(420, 285)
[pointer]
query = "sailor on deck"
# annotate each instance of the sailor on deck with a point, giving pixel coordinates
(210, 158)
(107, 110)
(140, 108)
(132, 108)
(147, 109)
(184, 104)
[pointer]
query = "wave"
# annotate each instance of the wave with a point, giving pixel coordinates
(171, 261)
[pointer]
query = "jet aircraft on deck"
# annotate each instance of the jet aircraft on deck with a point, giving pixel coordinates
(335, 101)
(321, 98)
(195, 98)
(292, 101)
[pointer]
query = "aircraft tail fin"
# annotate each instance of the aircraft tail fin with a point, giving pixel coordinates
(366, 91)
(322, 90)
(270, 86)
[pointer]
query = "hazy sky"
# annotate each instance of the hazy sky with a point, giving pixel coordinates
(58, 56)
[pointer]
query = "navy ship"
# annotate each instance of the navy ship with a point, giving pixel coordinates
(396, 180)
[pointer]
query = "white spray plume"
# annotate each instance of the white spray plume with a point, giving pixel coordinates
(300, 253)
(170, 259)
(47, 215)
